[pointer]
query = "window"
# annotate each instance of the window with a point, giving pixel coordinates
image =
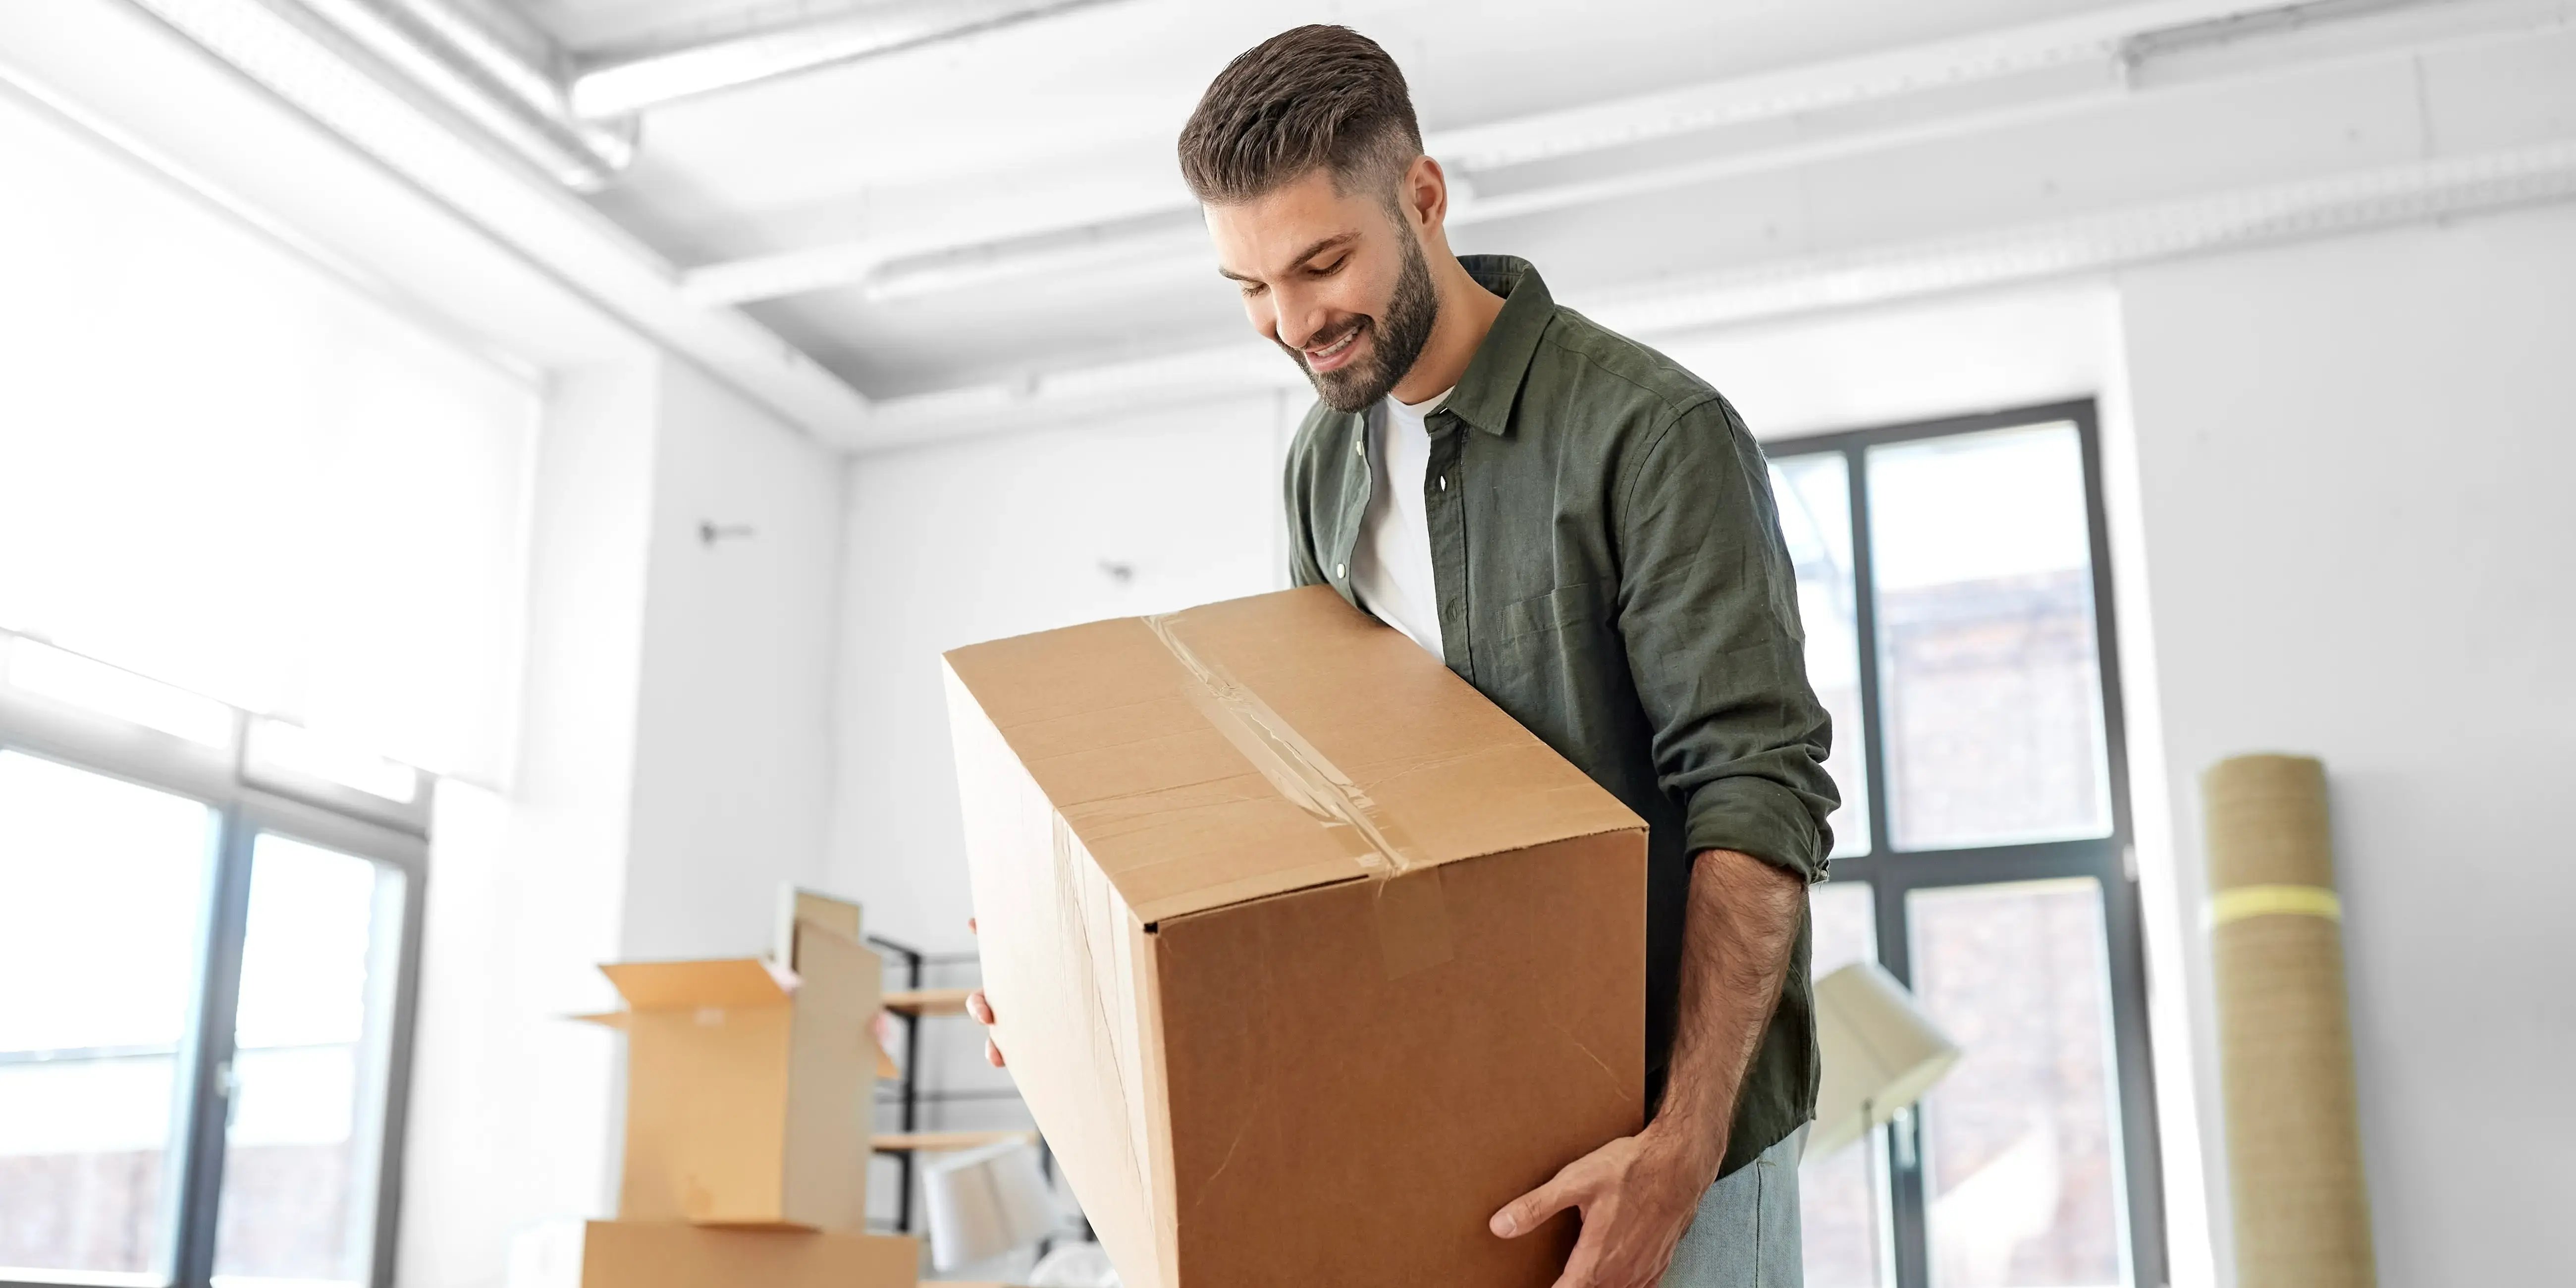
(200, 427)
(1951, 577)
(210, 963)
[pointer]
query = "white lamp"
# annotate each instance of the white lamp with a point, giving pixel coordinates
(1881, 1054)
(987, 1202)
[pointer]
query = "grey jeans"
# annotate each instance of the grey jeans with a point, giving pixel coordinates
(1746, 1233)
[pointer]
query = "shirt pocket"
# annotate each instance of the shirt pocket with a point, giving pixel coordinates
(1577, 605)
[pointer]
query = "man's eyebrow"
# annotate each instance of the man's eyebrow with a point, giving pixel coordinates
(1310, 252)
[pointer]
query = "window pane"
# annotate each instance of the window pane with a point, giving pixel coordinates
(2021, 1165)
(1990, 677)
(102, 888)
(1814, 497)
(309, 1059)
(1842, 1196)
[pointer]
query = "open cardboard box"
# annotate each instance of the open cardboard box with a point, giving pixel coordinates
(652, 1254)
(747, 1079)
(1305, 956)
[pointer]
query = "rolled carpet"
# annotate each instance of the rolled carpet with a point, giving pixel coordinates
(2285, 1038)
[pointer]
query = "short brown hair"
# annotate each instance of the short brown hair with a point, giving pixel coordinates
(1314, 96)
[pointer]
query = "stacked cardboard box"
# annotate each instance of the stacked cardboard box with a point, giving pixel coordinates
(1306, 957)
(747, 1103)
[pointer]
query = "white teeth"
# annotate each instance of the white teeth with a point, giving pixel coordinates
(1336, 346)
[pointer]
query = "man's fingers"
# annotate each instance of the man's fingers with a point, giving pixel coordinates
(1531, 1210)
(982, 1010)
(1583, 1265)
(1574, 1277)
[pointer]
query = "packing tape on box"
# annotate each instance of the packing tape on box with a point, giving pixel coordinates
(1412, 916)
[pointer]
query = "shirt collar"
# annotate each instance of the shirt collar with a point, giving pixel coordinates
(1485, 395)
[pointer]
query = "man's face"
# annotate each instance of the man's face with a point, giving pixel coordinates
(1338, 281)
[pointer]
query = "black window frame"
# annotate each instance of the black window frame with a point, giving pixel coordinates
(248, 800)
(1893, 874)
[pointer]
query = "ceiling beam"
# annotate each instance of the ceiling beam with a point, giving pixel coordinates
(485, 75)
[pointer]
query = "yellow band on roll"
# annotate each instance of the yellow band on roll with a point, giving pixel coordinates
(2229, 906)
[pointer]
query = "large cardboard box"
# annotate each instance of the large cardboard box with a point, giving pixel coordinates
(654, 1254)
(747, 1083)
(1305, 956)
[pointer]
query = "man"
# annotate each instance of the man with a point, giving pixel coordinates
(1585, 532)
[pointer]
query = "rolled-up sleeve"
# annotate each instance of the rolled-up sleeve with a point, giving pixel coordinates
(1708, 606)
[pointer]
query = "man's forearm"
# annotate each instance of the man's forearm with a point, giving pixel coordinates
(1736, 936)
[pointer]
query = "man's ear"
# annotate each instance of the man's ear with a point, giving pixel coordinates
(1426, 193)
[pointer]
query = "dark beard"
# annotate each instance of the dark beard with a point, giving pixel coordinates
(1400, 337)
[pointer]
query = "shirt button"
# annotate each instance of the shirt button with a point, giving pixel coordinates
(1444, 482)
(1359, 446)
(1341, 570)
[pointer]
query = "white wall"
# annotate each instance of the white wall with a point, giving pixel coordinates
(733, 756)
(2353, 469)
(1004, 535)
(1919, 361)
(510, 1119)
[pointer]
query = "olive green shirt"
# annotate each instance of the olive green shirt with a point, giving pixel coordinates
(1609, 570)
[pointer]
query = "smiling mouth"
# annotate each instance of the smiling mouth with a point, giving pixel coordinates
(1331, 356)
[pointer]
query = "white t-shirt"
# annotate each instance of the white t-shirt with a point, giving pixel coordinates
(1391, 565)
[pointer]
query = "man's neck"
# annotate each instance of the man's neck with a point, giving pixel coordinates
(1467, 312)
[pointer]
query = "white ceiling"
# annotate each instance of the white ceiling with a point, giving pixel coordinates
(1763, 129)
(1072, 117)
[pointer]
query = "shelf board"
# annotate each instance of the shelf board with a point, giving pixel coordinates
(927, 1001)
(931, 1142)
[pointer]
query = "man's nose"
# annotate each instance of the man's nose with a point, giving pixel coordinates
(1302, 319)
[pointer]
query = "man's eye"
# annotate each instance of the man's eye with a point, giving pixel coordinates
(1327, 270)
(1251, 289)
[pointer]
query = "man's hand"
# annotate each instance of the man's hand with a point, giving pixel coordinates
(982, 1010)
(1637, 1195)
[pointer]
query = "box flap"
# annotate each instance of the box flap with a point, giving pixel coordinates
(1269, 744)
(831, 1065)
(797, 905)
(724, 982)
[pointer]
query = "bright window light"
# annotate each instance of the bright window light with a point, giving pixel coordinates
(69, 677)
(276, 745)
(230, 470)
(102, 893)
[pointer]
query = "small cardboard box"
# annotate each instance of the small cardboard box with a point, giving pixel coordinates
(747, 1084)
(1305, 956)
(657, 1254)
